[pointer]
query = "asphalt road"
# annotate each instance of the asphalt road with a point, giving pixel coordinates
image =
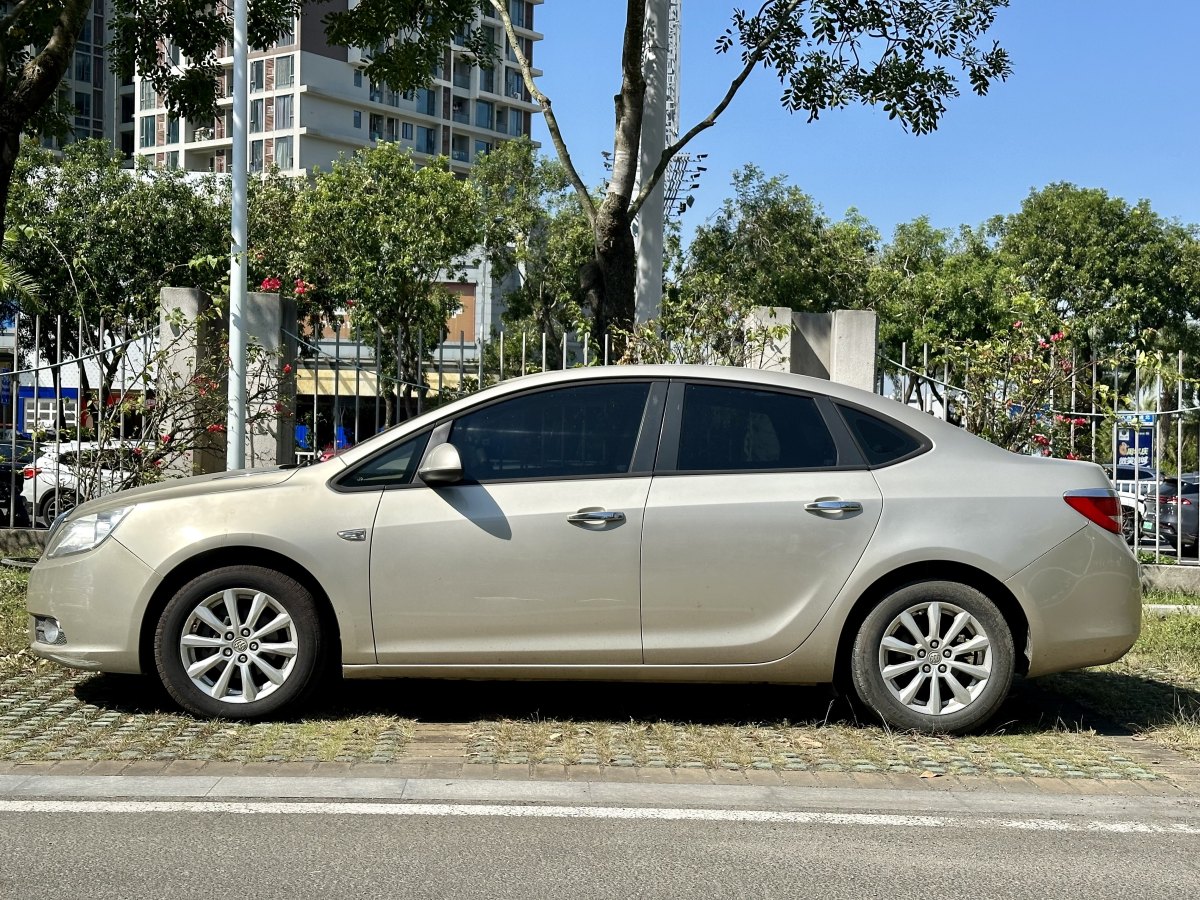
(255, 850)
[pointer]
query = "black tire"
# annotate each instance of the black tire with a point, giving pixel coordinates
(302, 667)
(55, 504)
(1130, 526)
(869, 657)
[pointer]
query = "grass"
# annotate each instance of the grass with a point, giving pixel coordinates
(1170, 598)
(49, 713)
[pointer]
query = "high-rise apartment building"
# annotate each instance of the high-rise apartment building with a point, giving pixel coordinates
(310, 102)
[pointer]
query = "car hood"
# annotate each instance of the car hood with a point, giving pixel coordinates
(177, 488)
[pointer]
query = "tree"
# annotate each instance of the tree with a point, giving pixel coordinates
(534, 227)
(103, 241)
(827, 54)
(773, 246)
(388, 233)
(37, 41)
(1116, 272)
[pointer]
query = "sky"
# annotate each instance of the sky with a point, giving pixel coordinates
(1104, 93)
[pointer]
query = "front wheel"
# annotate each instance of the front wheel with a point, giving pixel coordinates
(935, 656)
(241, 642)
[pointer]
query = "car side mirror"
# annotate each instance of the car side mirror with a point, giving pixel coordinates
(442, 466)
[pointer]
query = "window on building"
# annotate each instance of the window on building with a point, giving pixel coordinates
(460, 148)
(289, 35)
(393, 129)
(258, 75)
(283, 111)
(173, 130)
(514, 86)
(406, 130)
(256, 116)
(83, 66)
(482, 147)
(285, 71)
(173, 159)
(375, 127)
(516, 12)
(487, 80)
(426, 102)
(502, 120)
(426, 140)
(484, 113)
(146, 129)
(173, 53)
(256, 156)
(358, 118)
(459, 110)
(283, 153)
(376, 93)
(357, 78)
(83, 105)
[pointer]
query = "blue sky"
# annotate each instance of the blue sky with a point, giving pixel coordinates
(1104, 94)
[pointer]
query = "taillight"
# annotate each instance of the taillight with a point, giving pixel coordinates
(30, 472)
(1099, 505)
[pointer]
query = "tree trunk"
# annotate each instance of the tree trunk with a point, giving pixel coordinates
(611, 283)
(10, 149)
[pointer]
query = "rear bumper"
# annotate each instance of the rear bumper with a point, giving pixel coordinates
(1083, 600)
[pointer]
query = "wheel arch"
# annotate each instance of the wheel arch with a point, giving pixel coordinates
(934, 570)
(232, 556)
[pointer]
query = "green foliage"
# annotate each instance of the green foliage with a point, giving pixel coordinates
(830, 54)
(1119, 272)
(378, 236)
(771, 245)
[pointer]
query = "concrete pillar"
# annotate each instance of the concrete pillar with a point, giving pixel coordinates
(189, 341)
(270, 392)
(838, 346)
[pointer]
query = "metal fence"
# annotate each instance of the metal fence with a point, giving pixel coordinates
(69, 388)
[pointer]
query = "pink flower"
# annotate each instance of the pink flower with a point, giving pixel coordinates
(166, 439)
(287, 368)
(1042, 345)
(1057, 336)
(302, 286)
(1041, 440)
(1018, 323)
(271, 284)
(1072, 456)
(215, 428)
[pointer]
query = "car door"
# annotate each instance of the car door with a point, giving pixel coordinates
(533, 557)
(756, 518)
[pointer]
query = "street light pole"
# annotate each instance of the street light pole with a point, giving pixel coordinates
(235, 422)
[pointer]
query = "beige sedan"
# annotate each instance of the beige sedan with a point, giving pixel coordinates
(627, 523)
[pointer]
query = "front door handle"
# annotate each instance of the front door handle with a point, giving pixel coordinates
(834, 506)
(596, 517)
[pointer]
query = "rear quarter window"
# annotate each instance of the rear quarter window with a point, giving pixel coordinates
(881, 441)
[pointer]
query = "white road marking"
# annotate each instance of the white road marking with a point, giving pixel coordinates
(301, 808)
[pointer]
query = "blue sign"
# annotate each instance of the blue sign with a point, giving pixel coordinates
(1136, 419)
(1135, 447)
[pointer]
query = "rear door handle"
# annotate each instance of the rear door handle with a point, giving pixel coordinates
(834, 506)
(596, 517)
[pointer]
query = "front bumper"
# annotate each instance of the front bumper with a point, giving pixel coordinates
(99, 598)
(1083, 600)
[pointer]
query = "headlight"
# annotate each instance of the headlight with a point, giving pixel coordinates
(85, 533)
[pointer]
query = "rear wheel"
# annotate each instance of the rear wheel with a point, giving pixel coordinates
(935, 656)
(1129, 525)
(240, 642)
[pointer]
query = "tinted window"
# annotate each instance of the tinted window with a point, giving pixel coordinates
(395, 466)
(730, 428)
(572, 431)
(881, 442)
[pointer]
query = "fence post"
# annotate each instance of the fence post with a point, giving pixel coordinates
(188, 341)
(271, 394)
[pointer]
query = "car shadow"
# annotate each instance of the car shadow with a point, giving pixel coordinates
(1109, 703)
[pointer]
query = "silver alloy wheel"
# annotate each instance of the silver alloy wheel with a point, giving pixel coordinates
(238, 645)
(935, 658)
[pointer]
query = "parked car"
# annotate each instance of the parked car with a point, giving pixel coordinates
(658, 523)
(1176, 516)
(63, 475)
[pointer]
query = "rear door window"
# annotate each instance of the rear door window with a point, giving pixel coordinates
(881, 441)
(727, 429)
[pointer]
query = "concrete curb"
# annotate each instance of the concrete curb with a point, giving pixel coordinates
(687, 796)
(1185, 579)
(1162, 610)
